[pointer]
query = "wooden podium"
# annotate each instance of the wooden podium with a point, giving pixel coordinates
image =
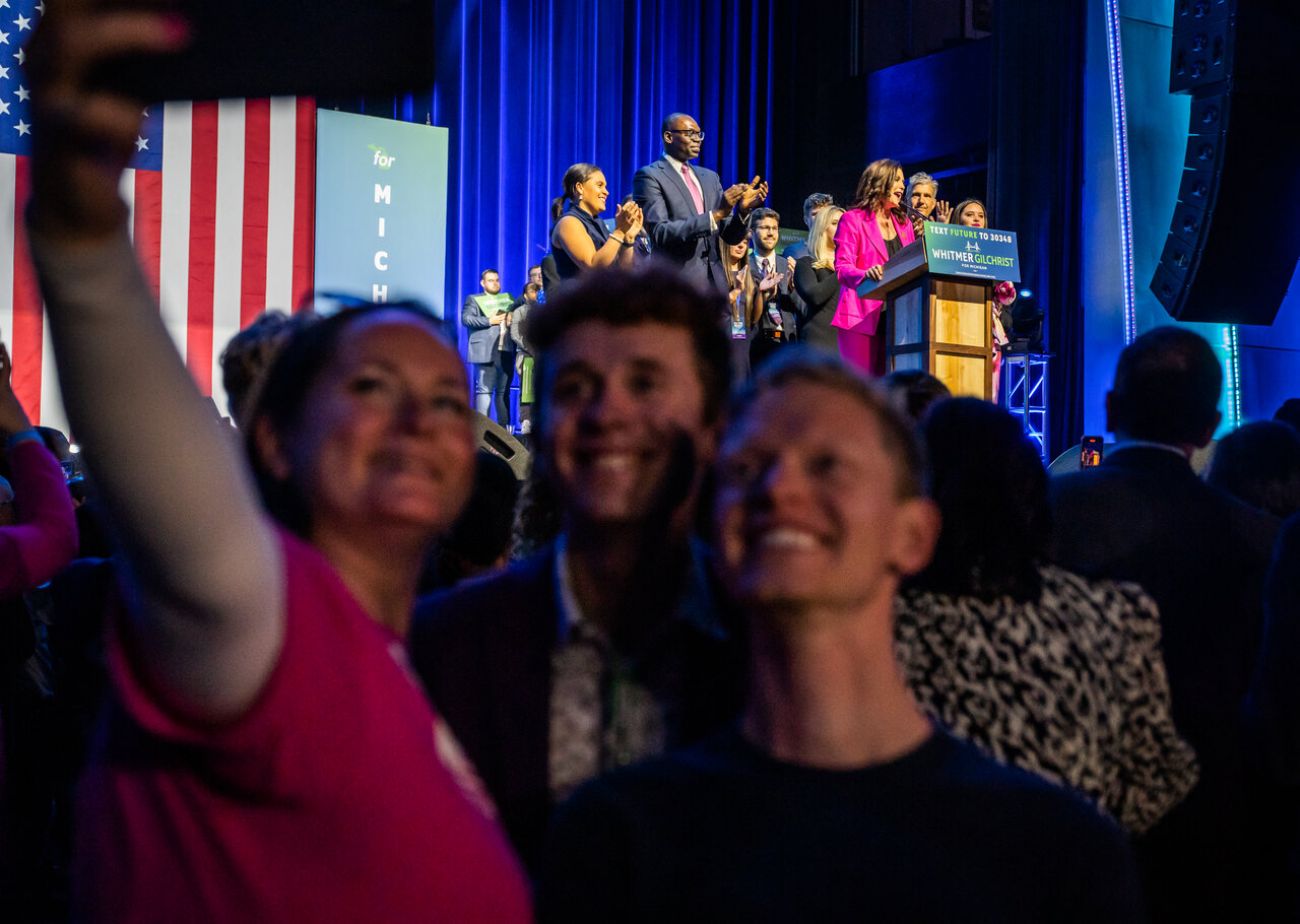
(941, 324)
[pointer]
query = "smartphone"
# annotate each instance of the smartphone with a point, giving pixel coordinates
(1090, 451)
(255, 48)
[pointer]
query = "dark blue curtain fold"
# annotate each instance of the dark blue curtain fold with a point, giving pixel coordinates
(528, 87)
(1036, 179)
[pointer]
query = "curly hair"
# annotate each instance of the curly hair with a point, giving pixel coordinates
(653, 292)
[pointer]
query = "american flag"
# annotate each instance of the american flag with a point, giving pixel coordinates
(222, 198)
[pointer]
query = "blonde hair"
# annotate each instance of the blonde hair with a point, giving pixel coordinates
(823, 253)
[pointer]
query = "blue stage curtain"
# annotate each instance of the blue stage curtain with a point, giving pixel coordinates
(1035, 179)
(528, 87)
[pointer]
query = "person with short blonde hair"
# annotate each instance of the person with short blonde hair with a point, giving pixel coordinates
(816, 282)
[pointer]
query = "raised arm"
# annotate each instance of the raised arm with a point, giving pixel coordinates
(207, 615)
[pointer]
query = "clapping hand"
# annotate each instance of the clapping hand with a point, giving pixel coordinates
(627, 218)
(770, 282)
(753, 195)
(13, 419)
(733, 194)
(638, 222)
(942, 211)
(738, 287)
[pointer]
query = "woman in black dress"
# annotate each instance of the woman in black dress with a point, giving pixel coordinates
(579, 239)
(814, 280)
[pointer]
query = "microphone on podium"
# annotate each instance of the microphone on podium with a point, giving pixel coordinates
(907, 212)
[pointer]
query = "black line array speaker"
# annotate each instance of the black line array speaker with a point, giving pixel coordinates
(1234, 238)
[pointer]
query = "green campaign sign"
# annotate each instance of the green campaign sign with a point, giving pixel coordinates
(981, 253)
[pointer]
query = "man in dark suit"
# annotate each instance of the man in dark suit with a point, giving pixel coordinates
(779, 324)
(486, 315)
(1145, 516)
(686, 209)
(606, 646)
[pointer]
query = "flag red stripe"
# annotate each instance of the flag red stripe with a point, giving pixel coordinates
(203, 244)
(147, 223)
(304, 212)
(257, 183)
(26, 340)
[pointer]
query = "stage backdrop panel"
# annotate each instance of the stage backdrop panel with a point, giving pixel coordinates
(381, 208)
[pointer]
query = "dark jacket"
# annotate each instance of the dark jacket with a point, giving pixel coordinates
(484, 336)
(677, 232)
(483, 652)
(1144, 516)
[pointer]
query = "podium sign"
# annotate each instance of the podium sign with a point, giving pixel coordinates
(939, 321)
(977, 253)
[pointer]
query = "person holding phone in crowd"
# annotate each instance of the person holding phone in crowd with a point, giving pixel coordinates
(265, 753)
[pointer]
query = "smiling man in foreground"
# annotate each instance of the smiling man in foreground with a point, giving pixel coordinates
(835, 798)
(606, 647)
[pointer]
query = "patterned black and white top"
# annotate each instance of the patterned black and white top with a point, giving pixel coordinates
(1071, 686)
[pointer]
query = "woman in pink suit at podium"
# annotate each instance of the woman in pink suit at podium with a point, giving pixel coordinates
(870, 232)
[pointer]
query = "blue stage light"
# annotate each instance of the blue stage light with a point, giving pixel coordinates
(1115, 61)
(1026, 293)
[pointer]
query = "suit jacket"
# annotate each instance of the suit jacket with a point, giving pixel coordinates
(677, 232)
(1144, 516)
(484, 335)
(791, 317)
(858, 247)
(483, 652)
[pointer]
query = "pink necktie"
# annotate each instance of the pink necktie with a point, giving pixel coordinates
(695, 190)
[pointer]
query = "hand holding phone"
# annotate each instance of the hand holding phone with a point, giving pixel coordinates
(1090, 451)
(255, 48)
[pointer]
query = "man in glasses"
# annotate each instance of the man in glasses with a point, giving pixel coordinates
(686, 208)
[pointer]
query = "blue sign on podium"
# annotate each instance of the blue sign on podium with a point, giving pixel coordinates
(981, 253)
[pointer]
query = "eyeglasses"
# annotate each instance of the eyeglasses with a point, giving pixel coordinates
(693, 135)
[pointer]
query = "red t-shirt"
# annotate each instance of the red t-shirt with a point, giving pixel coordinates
(326, 802)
